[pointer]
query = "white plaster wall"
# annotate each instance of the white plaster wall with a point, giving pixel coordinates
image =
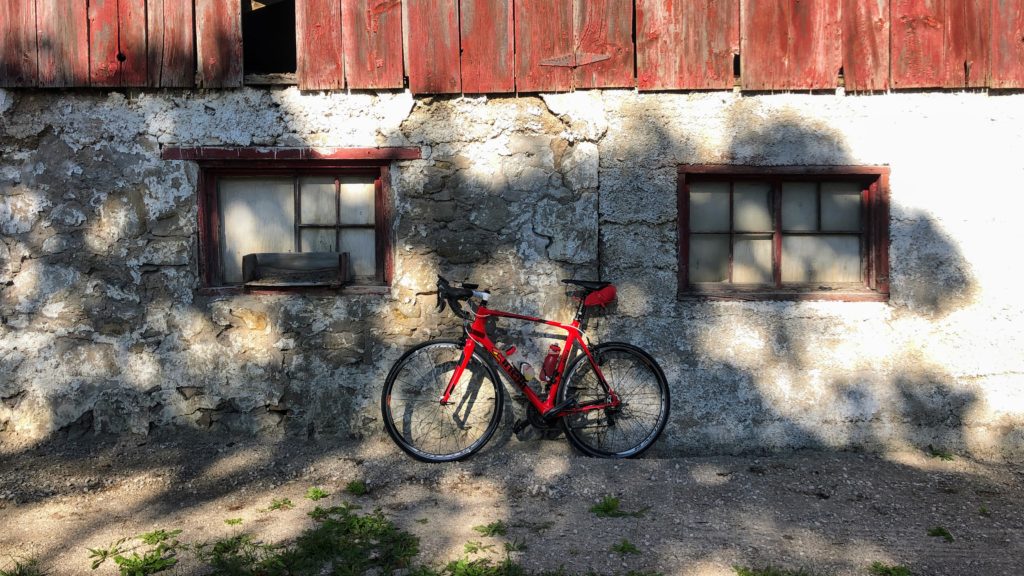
(514, 192)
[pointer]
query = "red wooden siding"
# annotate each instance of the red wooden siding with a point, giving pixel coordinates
(686, 44)
(318, 43)
(966, 50)
(790, 44)
(1007, 44)
(117, 43)
(487, 48)
(219, 43)
(604, 43)
(169, 42)
(372, 38)
(434, 32)
(866, 45)
(917, 43)
(544, 45)
(63, 43)
(18, 56)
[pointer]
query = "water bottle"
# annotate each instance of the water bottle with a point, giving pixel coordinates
(550, 366)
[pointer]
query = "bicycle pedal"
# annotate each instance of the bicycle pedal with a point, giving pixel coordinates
(520, 426)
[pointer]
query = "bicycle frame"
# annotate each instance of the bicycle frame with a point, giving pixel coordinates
(476, 335)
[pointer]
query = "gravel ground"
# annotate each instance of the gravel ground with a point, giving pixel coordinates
(826, 513)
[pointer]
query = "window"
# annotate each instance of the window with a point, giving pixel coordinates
(295, 210)
(783, 232)
(268, 37)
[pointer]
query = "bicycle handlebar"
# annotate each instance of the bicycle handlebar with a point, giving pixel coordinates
(446, 293)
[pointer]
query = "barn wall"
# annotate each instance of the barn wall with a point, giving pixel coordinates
(104, 328)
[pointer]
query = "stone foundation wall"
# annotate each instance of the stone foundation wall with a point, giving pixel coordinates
(104, 328)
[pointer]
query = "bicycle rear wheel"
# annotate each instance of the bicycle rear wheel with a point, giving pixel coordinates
(630, 428)
(416, 419)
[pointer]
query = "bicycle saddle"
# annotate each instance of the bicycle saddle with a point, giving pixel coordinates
(587, 284)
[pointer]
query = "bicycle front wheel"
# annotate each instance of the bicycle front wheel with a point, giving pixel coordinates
(413, 413)
(629, 428)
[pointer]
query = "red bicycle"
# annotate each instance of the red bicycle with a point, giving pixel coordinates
(443, 400)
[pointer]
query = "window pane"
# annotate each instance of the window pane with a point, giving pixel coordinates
(840, 206)
(709, 258)
(752, 260)
(799, 206)
(257, 216)
(821, 259)
(318, 202)
(709, 206)
(357, 199)
(362, 251)
(751, 208)
(318, 239)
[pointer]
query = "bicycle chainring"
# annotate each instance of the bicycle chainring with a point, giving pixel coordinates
(538, 422)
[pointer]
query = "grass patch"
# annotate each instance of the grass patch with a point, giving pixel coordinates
(316, 493)
(496, 528)
(608, 507)
(515, 546)
(625, 547)
(879, 569)
(23, 567)
(422, 520)
(281, 504)
(233, 521)
(983, 511)
(356, 488)
(768, 571)
(940, 453)
(940, 532)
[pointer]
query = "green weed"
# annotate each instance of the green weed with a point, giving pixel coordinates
(474, 547)
(281, 504)
(879, 569)
(496, 528)
(23, 567)
(422, 520)
(984, 512)
(940, 453)
(316, 493)
(233, 521)
(515, 546)
(608, 507)
(940, 532)
(161, 554)
(356, 488)
(625, 547)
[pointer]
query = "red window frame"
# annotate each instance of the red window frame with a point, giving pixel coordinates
(874, 233)
(210, 217)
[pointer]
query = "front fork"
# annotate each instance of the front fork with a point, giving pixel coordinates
(468, 347)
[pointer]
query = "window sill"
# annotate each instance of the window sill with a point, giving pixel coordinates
(794, 294)
(349, 290)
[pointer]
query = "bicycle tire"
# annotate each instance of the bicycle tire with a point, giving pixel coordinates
(632, 427)
(426, 429)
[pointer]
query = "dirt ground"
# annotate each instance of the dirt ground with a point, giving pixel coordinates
(826, 513)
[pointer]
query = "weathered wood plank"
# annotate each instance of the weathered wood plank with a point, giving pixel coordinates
(790, 44)
(1006, 67)
(866, 45)
(19, 61)
(117, 43)
(918, 32)
(169, 40)
(604, 43)
(434, 32)
(966, 43)
(372, 40)
(686, 44)
(63, 43)
(545, 52)
(219, 43)
(319, 46)
(487, 48)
